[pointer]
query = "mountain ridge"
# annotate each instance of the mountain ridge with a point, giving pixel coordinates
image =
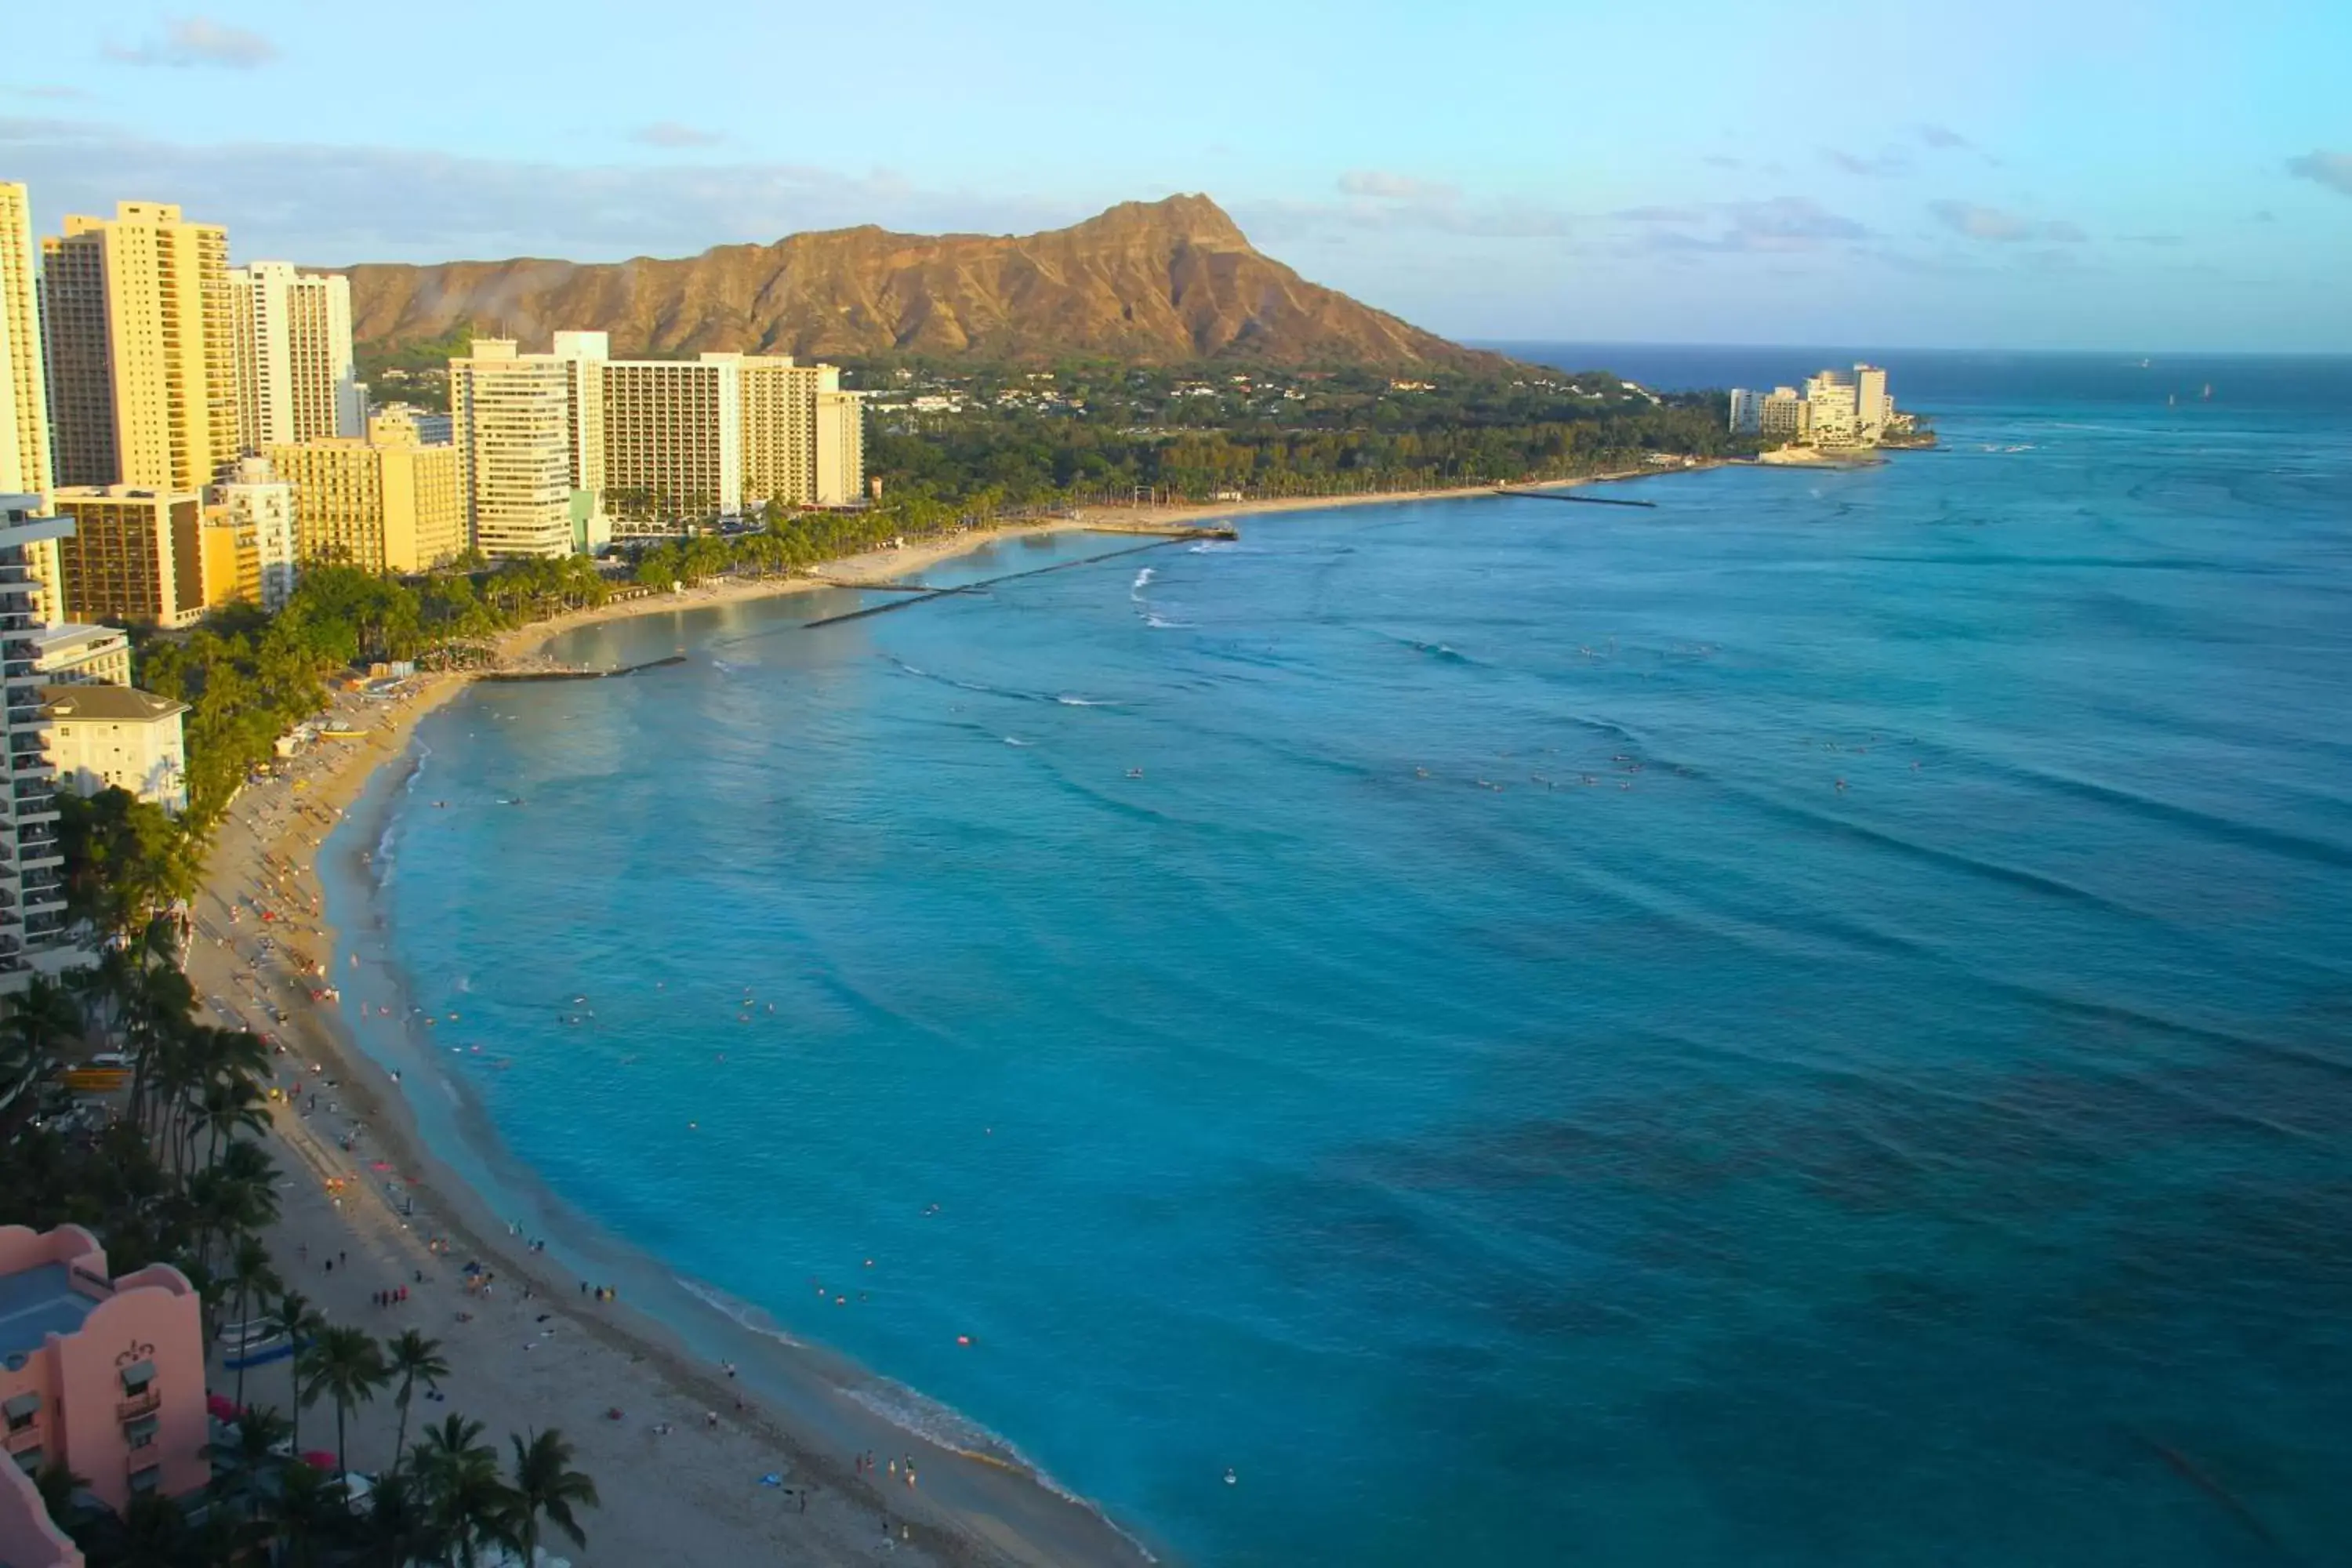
(1170, 281)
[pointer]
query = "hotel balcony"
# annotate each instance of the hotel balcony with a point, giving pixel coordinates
(139, 1404)
(22, 1439)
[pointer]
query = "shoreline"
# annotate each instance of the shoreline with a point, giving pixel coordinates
(699, 1491)
(362, 1174)
(879, 564)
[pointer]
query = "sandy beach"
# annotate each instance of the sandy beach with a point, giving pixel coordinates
(694, 1463)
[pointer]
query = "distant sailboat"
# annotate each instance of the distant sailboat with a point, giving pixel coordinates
(2208, 394)
(2172, 400)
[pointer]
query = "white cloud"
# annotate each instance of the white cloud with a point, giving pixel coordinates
(2333, 170)
(1941, 138)
(1777, 224)
(671, 133)
(1885, 165)
(198, 41)
(1382, 185)
(2001, 226)
(49, 90)
(325, 203)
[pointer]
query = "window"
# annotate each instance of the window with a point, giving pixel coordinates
(21, 1410)
(141, 1434)
(137, 1376)
(147, 1479)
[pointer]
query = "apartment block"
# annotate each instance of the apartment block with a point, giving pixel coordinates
(135, 557)
(296, 378)
(70, 654)
(32, 885)
(387, 503)
(24, 462)
(673, 439)
(522, 438)
(139, 330)
(840, 448)
(260, 507)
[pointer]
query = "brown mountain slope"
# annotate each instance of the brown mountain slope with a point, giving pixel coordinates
(1149, 281)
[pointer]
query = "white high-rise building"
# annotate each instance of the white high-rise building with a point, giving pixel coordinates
(519, 437)
(296, 378)
(1874, 409)
(32, 885)
(1833, 408)
(255, 497)
(1747, 411)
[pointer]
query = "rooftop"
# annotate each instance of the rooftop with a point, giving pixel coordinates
(38, 1303)
(112, 704)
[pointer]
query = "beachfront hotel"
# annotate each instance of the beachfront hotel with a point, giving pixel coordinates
(24, 467)
(528, 430)
(70, 654)
(32, 879)
(656, 443)
(102, 1375)
(1836, 408)
(132, 557)
(118, 737)
(389, 502)
(140, 334)
(296, 379)
(260, 507)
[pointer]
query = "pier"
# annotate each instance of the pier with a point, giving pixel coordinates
(574, 671)
(1563, 495)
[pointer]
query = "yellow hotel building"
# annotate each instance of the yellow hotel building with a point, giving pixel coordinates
(135, 557)
(140, 340)
(388, 503)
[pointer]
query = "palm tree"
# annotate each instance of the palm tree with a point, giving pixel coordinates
(410, 1357)
(258, 1432)
(466, 1501)
(249, 1274)
(345, 1365)
(399, 1533)
(43, 1018)
(545, 1483)
(228, 1106)
(298, 1321)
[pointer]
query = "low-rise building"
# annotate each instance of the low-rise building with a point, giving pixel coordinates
(102, 1375)
(102, 737)
(71, 654)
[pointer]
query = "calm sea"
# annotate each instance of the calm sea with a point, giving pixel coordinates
(1811, 1025)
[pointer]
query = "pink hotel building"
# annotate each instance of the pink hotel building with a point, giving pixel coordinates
(105, 1375)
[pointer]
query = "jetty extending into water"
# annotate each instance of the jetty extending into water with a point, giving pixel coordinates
(574, 671)
(1566, 495)
(917, 594)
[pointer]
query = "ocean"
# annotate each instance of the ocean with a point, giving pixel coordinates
(1810, 1024)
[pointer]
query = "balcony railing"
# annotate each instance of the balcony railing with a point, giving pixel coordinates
(139, 1405)
(24, 1437)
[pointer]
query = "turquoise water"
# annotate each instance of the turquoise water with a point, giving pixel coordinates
(1485, 1081)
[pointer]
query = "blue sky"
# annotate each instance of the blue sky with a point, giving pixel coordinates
(2154, 176)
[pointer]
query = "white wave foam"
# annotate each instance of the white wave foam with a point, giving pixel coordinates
(1067, 700)
(951, 1429)
(1011, 740)
(1142, 581)
(742, 1314)
(1211, 547)
(1162, 623)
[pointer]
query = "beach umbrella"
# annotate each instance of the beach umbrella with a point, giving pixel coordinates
(222, 1406)
(318, 1458)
